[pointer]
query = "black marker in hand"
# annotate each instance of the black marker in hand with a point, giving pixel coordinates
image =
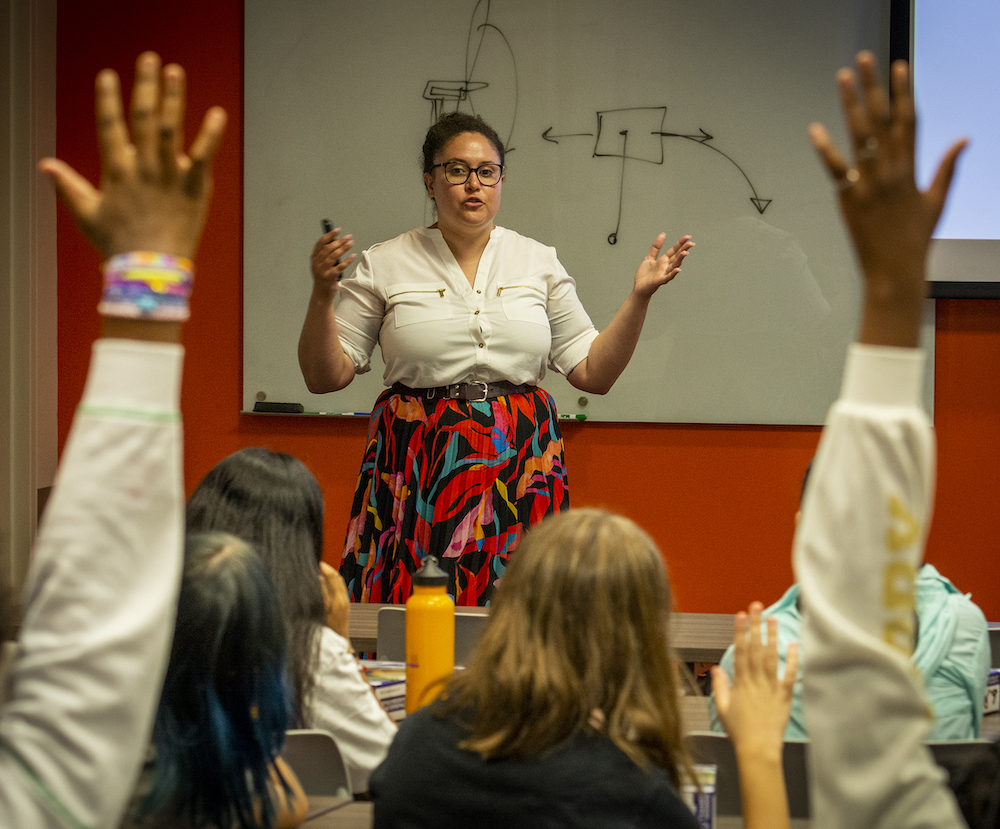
(327, 227)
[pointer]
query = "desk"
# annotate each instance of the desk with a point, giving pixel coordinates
(697, 637)
(701, 637)
(358, 815)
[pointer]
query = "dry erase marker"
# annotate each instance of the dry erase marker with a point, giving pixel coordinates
(327, 227)
(341, 414)
(580, 417)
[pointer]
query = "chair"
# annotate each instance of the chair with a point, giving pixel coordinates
(714, 748)
(314, 757)
(993, 631)
(958, 755)
(392, 632)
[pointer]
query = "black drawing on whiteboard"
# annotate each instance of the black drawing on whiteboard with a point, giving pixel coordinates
(637, 134)
(449, 96)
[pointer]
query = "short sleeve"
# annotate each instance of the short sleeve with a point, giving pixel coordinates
(572, 329)
(360, 309)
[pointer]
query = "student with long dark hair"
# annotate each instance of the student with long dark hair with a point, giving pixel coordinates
(272, 500)
(223, 712)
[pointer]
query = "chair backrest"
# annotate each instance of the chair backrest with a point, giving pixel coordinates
(993, 630)
(956, 755)
(392, 632)
(314, 757)
(714, 748)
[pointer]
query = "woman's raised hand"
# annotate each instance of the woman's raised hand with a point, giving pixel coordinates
(656, 269)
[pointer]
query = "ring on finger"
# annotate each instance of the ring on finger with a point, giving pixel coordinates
(849, 179)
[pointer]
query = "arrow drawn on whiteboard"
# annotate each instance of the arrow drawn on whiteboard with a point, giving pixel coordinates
(642, 136)
(701, 138)
(553, 138)
(759, 203)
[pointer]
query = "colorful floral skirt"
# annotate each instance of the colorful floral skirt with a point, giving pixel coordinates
(457, 479)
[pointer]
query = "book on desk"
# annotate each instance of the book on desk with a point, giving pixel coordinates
(388, 680)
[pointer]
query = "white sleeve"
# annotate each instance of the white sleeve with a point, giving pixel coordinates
(100, 599)
(360, 311)
(572, 330)
(342, 703)
(859, 542)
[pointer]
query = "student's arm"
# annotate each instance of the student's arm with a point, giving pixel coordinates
(867, 507)
(754, 711)
(101, 592)
(291, 805)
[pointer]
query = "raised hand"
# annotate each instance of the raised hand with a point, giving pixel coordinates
(657, 270)
(755, 712)
(152, 196)
(755, 709)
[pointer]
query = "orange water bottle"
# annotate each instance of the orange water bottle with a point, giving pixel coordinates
(430, 635)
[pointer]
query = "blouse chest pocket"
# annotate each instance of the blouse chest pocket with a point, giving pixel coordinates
(524, 302)
(416, 302)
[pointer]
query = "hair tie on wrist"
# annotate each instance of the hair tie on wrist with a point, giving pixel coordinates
(146, 285)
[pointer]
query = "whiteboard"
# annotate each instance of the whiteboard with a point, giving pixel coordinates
(622, 119)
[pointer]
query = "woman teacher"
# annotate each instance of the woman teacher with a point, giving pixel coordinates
(464, 449)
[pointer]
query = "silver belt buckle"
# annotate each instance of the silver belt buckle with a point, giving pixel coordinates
(486, 391)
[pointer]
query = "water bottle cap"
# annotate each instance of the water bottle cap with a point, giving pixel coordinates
(430, 574)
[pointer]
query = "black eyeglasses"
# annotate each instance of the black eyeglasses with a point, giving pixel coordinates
(458, 172)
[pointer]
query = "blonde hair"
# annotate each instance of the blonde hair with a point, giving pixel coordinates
(579, 624)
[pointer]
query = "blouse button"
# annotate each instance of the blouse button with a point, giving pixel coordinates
(477, 313)
(478, 292)
(482, 345)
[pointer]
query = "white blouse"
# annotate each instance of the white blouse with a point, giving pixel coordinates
(411, 297)
(343, 703)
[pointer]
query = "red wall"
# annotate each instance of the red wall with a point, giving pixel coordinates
(719, 500)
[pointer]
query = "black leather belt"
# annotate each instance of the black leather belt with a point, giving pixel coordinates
(476, 392)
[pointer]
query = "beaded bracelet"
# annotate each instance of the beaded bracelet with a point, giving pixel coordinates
(145, 285)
